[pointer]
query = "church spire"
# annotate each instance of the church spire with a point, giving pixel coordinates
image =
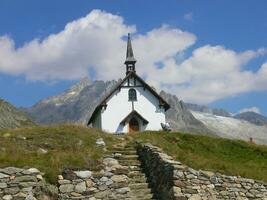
(130, 60)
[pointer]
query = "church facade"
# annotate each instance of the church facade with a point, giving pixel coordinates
(132, 105)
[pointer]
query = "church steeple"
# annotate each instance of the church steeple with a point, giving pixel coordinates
(130, 60)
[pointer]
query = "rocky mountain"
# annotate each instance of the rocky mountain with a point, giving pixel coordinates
(206, 109)
(252, 117)
(11, 117)
(181, 118)
(76, 105)
(229, 127)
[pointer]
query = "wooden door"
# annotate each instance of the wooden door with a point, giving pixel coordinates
(133, 125)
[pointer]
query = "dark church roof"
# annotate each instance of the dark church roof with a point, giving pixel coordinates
(134, 113)
(129, 53)
(119, 85)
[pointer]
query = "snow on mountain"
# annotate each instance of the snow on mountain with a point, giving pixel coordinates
(231, 128)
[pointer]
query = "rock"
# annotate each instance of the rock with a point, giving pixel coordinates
(177, 190)
(83, 174)
(118, 178)
(60, 177)
(26, 178)
(20, 195)
(109, 182)
(64, 181)
(110, 162)
(80, 187)
(118, 169)
(108, 174)
(75, 194)
(102, 187)
(21, 137)
(11, 190)
(208, 174)
(89, 183)
(30, 196)
(195, 197)
(104, 179)
(11, 170)
(31, 171)
(3, 176)
(7, 197)
(179, 183)
(3, 185)
(39, 177)
(66, 188)
(27, 184)
(123, 190)
(42, 151)
(100, 142)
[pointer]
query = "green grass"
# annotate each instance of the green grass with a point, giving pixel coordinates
(68, 146)
(231, 157)
(72, 146)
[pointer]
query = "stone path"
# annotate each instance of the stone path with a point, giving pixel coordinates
(127, 156)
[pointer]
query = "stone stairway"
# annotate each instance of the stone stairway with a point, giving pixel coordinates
(127, 156)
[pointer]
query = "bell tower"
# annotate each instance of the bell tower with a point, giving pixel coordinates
(130, 60)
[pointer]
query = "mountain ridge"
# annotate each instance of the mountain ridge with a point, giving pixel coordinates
(76, 105)
(12, 117)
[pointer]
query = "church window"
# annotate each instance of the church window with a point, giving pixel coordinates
(132, 95)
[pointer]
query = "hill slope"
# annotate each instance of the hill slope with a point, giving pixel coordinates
(11, 117)
(54, 148)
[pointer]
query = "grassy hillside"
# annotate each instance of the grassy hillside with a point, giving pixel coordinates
(216, 154)
(67, 147)
(70, 146)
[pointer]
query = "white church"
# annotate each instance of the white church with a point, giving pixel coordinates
(132, 105)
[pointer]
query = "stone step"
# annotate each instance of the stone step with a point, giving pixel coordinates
(130, 162)
(123, 149)
(135, 173)
(139, 196)
(135, 169)
(138, 185)
(123, 152)
(128, 157)
(141, 193)
(138, 180)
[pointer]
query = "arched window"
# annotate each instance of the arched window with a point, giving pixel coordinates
(132, 95)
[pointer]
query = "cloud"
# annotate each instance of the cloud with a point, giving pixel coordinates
(189, 16)
(95, 43)
(252, 109)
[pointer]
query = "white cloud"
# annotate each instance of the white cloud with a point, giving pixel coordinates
(252, 109)
(189, 16)
(95, 43)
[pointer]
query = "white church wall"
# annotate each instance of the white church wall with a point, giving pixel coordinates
(118, 107)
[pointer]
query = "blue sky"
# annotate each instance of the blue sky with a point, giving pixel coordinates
(235, 26)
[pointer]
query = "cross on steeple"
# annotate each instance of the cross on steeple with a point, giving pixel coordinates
(130, 60)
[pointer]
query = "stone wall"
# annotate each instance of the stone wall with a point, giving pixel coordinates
(109, 183)
(28, 184)
(20, 184)
(171, 179)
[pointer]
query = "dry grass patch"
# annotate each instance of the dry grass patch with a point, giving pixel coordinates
(67, 146)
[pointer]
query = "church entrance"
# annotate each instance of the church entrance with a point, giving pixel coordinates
(133, 125)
